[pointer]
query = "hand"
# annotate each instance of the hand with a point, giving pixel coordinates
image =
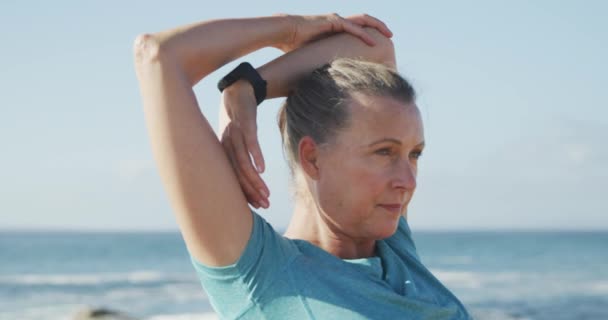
(310, 28)
(240, 141)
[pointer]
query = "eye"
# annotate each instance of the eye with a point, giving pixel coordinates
(384, 152)
(416, 154)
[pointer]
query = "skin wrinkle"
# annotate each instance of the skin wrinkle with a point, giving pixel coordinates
(347, 179)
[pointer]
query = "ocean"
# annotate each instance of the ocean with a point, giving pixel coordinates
(148, 275)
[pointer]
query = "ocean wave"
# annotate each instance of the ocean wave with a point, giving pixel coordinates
(476, 280)
(453, 260)
(459, 278)
(67, 312)
(600, 287)
(133, 277)
(186, 316)
(494, 314)
(514, 285)
(175, 293)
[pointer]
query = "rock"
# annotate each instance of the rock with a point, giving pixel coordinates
(101, 314)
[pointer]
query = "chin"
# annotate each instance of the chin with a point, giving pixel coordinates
(387, 230)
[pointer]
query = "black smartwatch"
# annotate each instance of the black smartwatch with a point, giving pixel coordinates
(247, 72)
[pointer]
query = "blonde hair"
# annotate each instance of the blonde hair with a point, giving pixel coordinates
(318, 106)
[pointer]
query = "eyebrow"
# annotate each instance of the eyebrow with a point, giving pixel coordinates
(421, 144)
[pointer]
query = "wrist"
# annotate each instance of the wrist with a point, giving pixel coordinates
(239, 89)
(240, 85)
(287, 27)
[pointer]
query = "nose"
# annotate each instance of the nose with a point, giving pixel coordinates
(405, 176)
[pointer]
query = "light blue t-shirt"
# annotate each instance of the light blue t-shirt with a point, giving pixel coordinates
(280, 278)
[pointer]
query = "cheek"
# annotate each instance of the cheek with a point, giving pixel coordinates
(349, 185)
(339, 189)
(365, 183)
(371, 181)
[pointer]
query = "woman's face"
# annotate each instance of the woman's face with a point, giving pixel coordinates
(367, 175)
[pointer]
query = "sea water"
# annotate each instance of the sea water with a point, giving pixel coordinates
(497, 275)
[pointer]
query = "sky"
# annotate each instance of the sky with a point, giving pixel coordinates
(512, 95)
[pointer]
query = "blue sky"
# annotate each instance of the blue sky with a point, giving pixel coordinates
(512, 97)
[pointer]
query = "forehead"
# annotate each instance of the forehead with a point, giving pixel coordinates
(372, 118)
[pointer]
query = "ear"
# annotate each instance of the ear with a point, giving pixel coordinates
(308, 156)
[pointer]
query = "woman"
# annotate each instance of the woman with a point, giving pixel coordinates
(353, 135)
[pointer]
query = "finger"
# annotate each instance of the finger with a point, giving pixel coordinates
(357, 31)
(245, 167)
(253, 146)
(340, 24)
(247, 189)
(249, 127)
(369, 21)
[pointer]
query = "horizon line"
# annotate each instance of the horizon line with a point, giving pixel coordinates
(281, 231)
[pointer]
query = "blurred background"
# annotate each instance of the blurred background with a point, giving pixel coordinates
(510, 209)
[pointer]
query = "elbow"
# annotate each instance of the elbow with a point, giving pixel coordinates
(154, 49)
(146, 49)
(384, 50)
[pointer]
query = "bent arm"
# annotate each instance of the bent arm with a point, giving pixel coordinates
(204, 193)
(283, 73)
(201, 48)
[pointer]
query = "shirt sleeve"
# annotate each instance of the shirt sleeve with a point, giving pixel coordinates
(232, 289)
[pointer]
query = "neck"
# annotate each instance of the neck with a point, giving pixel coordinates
(307, 223)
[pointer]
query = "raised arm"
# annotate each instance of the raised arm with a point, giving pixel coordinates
(282, 74)
(203, 190)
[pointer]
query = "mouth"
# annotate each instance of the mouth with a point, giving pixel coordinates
(393, 208)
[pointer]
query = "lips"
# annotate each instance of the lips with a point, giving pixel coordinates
(395, 208)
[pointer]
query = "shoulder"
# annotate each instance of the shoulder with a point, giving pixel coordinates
(266, 251)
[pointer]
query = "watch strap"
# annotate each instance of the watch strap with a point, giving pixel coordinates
(245, 71)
